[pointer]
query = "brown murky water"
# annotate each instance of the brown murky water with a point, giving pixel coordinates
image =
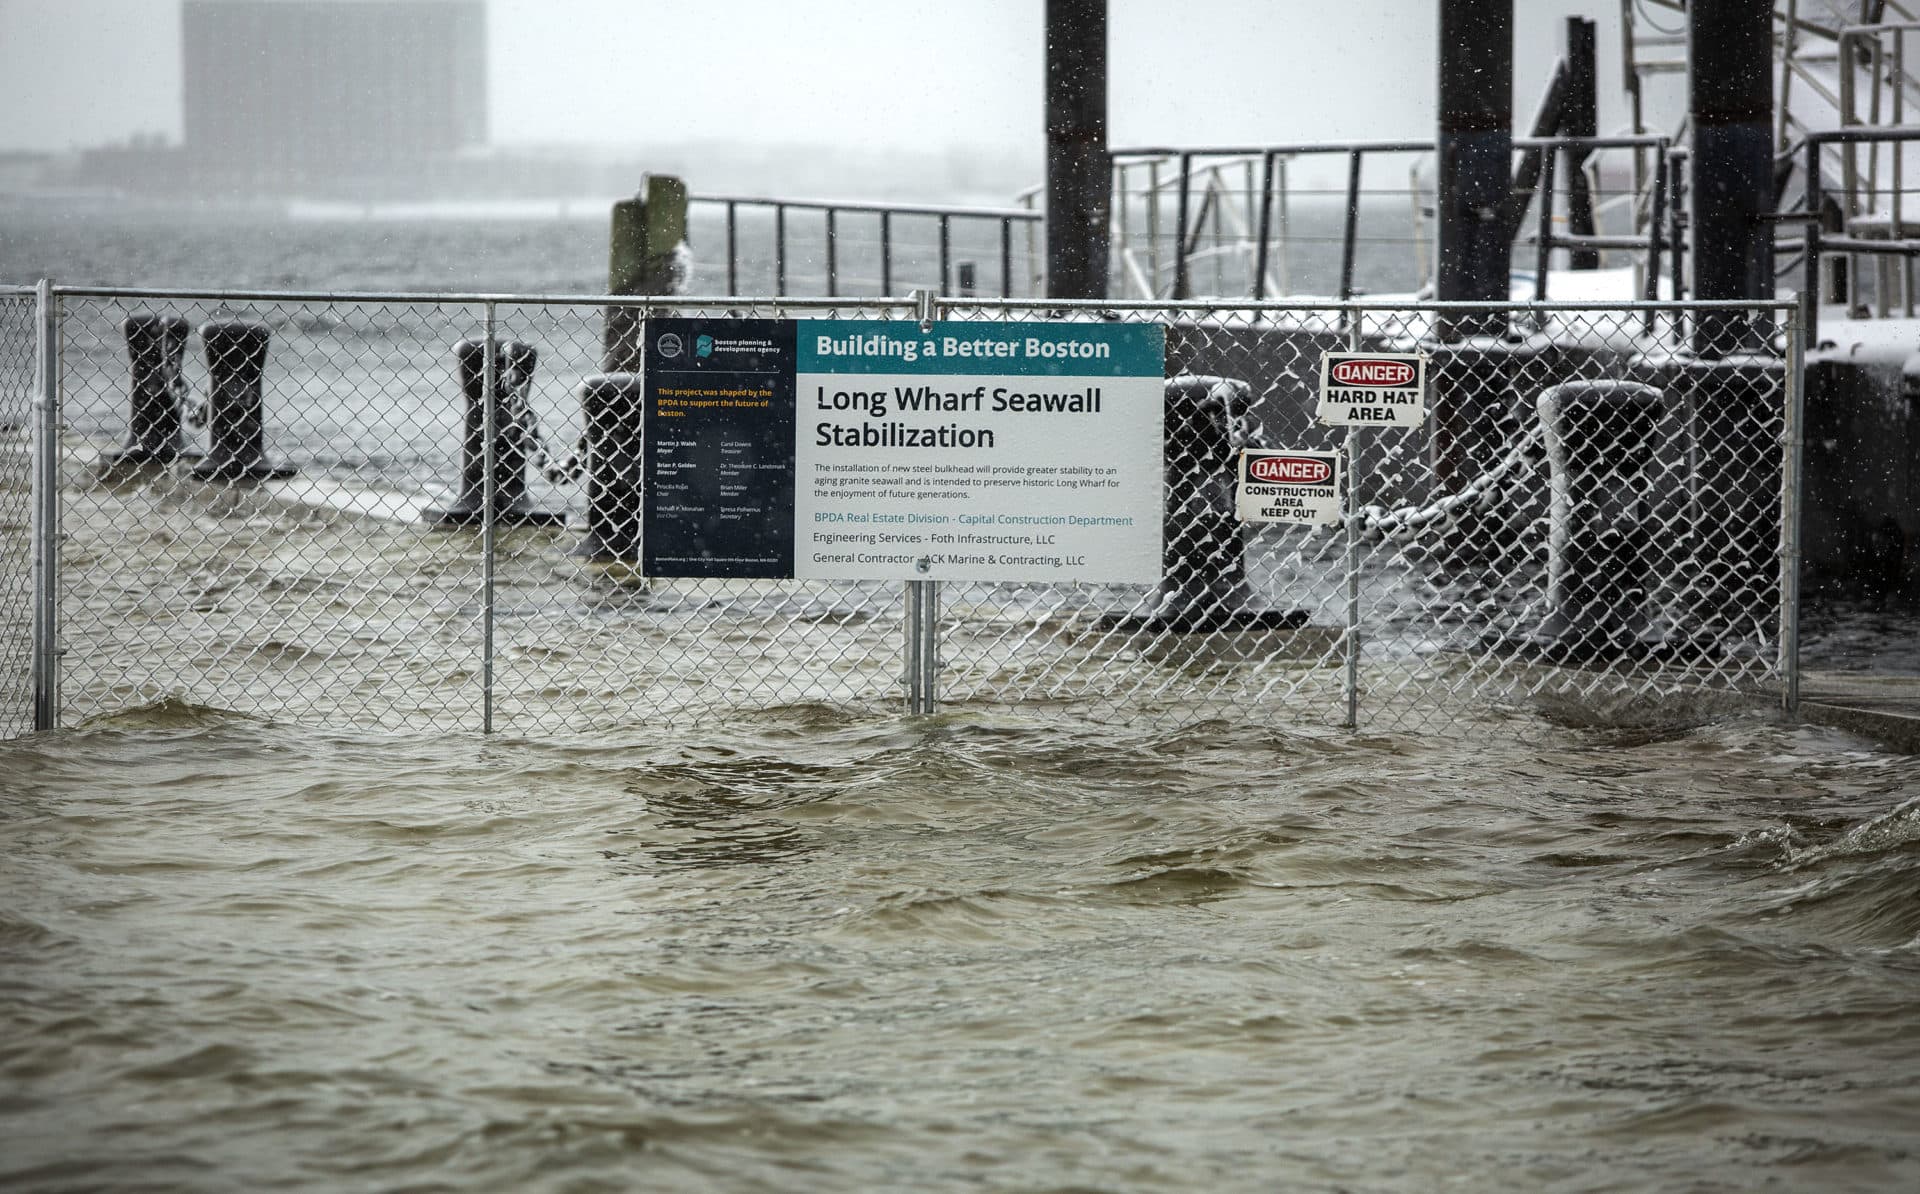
(819, 950)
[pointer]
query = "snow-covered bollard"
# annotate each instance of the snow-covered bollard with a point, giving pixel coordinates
(616, 437)
(1600, 439)
(513, 364)
(156, 345)
(236, 432)
(1204, 586)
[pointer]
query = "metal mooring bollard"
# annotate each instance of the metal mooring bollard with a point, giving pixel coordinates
(1600, 438)
(513, 364)
(236, 363)
(1203, 562)
(612, 405)
(155, 346)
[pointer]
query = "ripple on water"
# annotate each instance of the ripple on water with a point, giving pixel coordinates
(820, 949)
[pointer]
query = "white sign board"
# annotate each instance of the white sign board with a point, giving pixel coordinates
(1288, 486)
(1372, 389)
(978, 451)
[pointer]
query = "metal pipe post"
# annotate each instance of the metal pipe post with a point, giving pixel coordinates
(1079, 174)
(1792, 447)
(1180, 228)
(489, 429)
(1656, 211)
(47, 429)
(733, 250)
(1581, 119)
(1006, 258)
(780, 249)
(1347, 241)
(1543, 239)
(1351, 640)
(946, 255)
(1810, 288)
(1265, 227)
(886, 253)
(833, 264)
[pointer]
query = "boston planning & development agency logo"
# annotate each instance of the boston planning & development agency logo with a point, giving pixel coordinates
(703, 346)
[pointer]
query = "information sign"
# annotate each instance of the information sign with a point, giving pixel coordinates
(865, 450)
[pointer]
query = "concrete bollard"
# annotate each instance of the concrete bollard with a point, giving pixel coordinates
(156, 345)
(236, 364)
(513, 373)
(1600, 440)
(1203, 583)
(1731, 407)
(613, 407)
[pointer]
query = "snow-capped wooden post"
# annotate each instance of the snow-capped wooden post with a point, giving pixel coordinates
(643, 257)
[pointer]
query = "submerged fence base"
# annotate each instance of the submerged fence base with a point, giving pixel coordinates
(325, 596)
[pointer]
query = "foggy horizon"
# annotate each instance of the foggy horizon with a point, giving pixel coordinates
(855, 73)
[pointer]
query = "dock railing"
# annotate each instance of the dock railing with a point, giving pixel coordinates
(1243, 214)
(423, 526)
(841, 248)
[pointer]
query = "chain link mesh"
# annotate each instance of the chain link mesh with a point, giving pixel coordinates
(1590, 513)
(17, 360)
(1444, 607)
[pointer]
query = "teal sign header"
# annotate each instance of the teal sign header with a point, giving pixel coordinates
(996, 349)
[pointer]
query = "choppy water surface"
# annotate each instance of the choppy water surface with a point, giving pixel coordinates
(816, 951)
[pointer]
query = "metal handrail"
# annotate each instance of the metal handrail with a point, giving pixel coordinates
(1272, 159)
(1816, 240)
(832, 209)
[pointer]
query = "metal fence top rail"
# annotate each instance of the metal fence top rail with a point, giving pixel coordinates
(908, 304)
(869, 207)
(1632, 141)
(1380, 304)
(464, 298)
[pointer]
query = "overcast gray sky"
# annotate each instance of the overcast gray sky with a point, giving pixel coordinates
(931, 73)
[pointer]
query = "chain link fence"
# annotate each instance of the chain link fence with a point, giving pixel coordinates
(18, 331)
(399, 536)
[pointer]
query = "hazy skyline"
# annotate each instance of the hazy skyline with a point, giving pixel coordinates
(927, 74)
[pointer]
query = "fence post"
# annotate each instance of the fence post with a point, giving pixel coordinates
(1351, 640)
(922, 630)
(1792, 436)
(489, 417)
(46, 512)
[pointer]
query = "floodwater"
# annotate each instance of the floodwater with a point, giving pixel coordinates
(820, 950)
(826, 949)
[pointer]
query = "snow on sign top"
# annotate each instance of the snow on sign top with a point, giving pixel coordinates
(1372, 389)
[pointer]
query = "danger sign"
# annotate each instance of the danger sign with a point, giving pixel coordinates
(1288, 486)
(1373, 389)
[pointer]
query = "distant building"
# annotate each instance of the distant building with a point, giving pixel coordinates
(305, 91)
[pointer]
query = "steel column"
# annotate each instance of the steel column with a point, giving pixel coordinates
(1079, 174)
(1475, 150)
(1730, 104)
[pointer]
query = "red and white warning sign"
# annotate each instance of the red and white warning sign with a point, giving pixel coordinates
(1286, 486)
(1372, 389)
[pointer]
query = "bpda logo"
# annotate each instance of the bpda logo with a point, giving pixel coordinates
(703, 346)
